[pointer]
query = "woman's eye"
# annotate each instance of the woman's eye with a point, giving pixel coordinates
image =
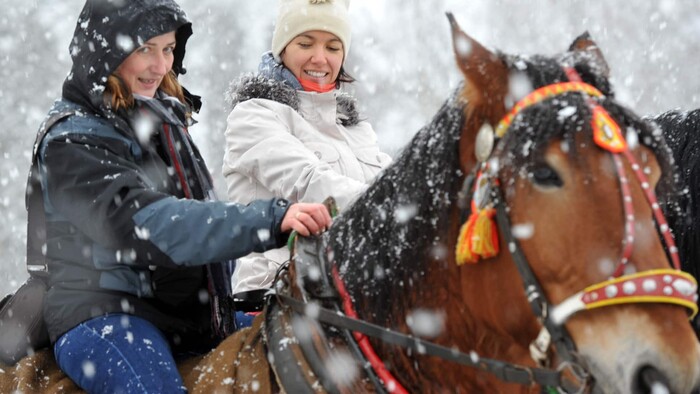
(544, 175)
(304, 45)
(169, 50)
(333, 49)
(144, 50)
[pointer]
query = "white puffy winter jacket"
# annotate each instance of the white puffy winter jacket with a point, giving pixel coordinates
(317, 150)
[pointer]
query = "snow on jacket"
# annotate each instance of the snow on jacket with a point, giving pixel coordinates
(128, 229)
(301, 146)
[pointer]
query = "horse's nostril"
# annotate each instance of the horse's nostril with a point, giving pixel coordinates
(651, 381)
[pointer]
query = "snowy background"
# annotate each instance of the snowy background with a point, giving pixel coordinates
(400, 55)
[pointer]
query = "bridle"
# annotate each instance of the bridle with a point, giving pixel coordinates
(657, 286)
(653, 286)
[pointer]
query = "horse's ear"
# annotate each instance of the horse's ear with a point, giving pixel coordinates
(485, 72)
(585, 44)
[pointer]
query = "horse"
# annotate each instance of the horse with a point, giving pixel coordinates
(682, 132)
(519, 243)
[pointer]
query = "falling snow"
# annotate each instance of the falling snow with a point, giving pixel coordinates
(398, 90)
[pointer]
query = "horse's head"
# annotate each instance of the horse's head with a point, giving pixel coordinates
(567, 176)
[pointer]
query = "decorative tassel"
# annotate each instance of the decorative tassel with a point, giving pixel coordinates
(478, 237)
(464, 253)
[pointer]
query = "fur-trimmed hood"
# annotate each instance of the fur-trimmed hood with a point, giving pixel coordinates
(257, 86)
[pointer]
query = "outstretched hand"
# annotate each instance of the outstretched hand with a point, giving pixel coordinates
(306, 219)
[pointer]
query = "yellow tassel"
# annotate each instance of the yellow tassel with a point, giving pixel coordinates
(464, 253)
(485, 236)
(478, 237)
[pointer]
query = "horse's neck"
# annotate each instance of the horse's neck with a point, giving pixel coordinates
(383, 243)
(394, 248)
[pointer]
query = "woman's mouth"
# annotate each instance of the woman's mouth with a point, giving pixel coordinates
(316, 74)
(148, 82)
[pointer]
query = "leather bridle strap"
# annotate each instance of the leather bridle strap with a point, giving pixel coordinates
(506, 372)
(535, 295)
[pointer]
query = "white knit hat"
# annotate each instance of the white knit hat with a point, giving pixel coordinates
(298, 16)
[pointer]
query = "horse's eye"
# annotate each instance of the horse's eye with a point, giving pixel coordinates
(544, 175)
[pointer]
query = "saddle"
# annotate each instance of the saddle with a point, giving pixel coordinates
(22, 327)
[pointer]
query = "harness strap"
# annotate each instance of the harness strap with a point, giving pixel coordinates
(311, 266)
(506, 372)
(283, 360)
(363, 342)
(535, 295)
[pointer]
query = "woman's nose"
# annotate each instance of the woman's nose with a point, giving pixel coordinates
(319, 55)
(160, 64)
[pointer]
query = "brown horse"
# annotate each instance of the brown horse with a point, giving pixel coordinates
(541, 187)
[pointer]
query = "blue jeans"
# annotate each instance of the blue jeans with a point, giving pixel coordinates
(244, 319)
(118, 353)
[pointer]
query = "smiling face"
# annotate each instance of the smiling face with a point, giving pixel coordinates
(145, 68)
(314, 56)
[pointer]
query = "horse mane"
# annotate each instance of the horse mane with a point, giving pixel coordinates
(382, 241)
(682, 133)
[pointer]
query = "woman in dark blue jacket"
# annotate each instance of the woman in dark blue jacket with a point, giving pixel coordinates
(133, 238)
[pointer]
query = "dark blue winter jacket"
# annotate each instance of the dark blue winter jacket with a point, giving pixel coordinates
(131, 222)
(121, 237)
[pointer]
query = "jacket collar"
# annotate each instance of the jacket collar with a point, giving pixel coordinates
(261, 87)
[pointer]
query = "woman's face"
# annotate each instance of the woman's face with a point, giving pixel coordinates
(145, 68)
(314, 56)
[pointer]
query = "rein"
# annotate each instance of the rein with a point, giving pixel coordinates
(504, 371)
(362, 330)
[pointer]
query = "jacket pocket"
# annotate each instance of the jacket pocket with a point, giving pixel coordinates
(326, 153)
(371, 156)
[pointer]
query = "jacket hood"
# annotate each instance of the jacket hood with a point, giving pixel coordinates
(258, 86)
(107, 32)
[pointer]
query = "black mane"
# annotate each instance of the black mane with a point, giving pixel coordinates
(682, 132)
(382, 241)
(565, 116)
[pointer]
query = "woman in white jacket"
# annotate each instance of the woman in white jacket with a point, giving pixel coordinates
(292, 133)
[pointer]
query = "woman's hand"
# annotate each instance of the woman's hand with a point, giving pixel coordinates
(306, 219)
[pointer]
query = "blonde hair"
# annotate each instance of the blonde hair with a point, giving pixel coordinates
(119, 95)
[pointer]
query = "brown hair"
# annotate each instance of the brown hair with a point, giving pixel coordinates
(343, 76)
(119, 95)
